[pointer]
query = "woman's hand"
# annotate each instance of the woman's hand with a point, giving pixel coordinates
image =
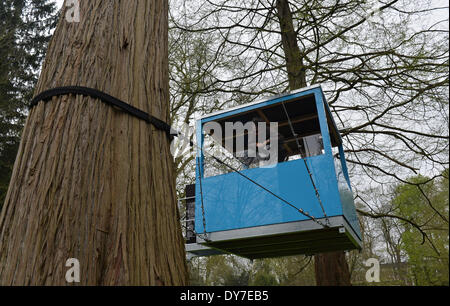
(259, 145)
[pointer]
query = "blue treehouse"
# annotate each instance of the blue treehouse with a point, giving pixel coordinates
(301, 204)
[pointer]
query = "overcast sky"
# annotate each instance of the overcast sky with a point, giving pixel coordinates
(436, 15)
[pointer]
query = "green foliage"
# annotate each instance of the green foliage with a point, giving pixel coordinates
(263, 278)
(25, 27)
(263, 274)
(226, 271)
(426, 203)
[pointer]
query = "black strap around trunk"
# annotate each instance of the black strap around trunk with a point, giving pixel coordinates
(96, 94)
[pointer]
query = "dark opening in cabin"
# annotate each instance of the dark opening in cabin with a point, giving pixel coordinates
(298, 130)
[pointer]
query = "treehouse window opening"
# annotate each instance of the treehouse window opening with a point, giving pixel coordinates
(291, 131)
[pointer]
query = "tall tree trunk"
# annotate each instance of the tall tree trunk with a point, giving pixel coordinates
(91, 182)
(294, 58)
(331, 268)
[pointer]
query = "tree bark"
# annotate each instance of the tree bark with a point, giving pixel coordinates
(331, 268)
(294, 58)
(91, 182)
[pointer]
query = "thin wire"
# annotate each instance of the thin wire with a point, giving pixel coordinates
(201, 199)
(306, 164)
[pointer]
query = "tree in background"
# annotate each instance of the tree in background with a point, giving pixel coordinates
(263, 274)
(226, 270)
(427, 247)
(25, 29)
